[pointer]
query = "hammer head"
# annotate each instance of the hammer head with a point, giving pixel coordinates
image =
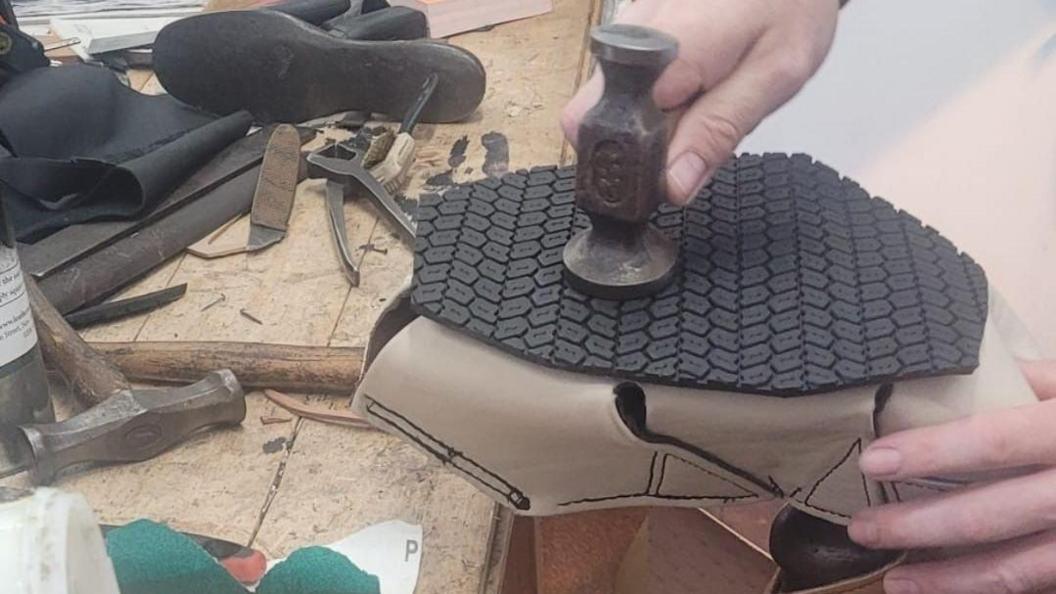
(619, 183)
(134, 425)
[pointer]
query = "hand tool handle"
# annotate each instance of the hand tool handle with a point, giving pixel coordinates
(134, 425)
(314, 370)
(277, 184)
(396, 163)
(410, 120)
(622, 140)
(91, 376)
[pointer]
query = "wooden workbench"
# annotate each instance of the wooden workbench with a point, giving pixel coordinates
(281, 486)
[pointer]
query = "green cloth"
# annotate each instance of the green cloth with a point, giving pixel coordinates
(317, 570)
(151, 558)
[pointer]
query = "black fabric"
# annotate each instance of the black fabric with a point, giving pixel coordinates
(84, 147)
(793, 281)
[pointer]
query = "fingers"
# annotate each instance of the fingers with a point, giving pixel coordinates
(989, 513)
(1042, 377)
(713, 126)
(1027, 565)
(584, 99)
(1009, 438)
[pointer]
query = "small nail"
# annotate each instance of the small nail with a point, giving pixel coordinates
(864, 533)
(686, 174)
(880, 461)
(900, 586)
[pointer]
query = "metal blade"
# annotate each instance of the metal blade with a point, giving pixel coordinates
(261, 237)
(384, 201)
(335, 205)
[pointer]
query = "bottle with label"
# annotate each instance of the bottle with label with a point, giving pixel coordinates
(24, 394)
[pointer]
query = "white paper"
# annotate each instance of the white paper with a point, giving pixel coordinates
(106, 35)
(17, 332)
(390, 550)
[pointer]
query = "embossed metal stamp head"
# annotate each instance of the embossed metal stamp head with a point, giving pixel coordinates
(622, 149)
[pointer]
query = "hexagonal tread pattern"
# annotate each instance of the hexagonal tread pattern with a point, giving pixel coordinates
(793, 281)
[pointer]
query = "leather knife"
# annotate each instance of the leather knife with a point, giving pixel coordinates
(276, 187)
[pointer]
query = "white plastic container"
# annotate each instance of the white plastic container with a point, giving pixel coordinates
(50, 543)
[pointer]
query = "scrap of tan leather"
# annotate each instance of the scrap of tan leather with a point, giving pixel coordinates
(872, 583)
(315, 413)
(230, 239)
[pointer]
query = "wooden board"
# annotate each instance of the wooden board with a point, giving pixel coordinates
(284, 486)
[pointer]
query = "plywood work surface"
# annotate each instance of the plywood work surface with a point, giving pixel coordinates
(281, 486)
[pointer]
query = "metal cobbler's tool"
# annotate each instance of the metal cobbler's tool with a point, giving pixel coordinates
(133, 425)
(276, 187)
(123, 308)
(619, 183)
(125, 424)
(341, 164)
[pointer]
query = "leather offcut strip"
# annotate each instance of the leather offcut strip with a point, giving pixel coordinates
(793, 281)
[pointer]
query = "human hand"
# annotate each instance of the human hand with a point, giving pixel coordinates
(1015, 518)
(738, 61)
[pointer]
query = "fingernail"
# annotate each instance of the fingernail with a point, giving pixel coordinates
(900, 586)
(686, 174)
(864, 533)
(880, 461)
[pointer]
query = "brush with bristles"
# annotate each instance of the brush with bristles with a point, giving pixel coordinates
(393, 169)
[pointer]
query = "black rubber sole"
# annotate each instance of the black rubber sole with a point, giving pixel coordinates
(283, 70)
(793, 281)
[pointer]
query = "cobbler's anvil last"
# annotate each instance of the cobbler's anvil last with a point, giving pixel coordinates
(803, 320)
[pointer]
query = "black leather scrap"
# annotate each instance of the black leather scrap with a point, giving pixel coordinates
(79, 146)
(793, 281)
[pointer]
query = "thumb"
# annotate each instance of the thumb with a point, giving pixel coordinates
(715, 124)
(1041, 375)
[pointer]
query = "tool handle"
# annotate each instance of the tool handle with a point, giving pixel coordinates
(622, 144)
(330, 370)
(277, 184)
(397, 161)
(90, 375)
(415, 112)
(134, 425)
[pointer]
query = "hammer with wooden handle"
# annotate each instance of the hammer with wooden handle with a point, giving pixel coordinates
(125, 424)
(288, 368)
